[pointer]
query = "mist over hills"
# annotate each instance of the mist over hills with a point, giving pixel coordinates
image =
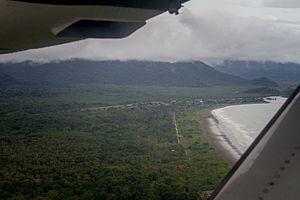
(147, 73)
(279, 72)
(182, 74)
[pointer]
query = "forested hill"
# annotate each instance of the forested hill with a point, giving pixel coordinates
(187, 74)
(6, 80)
(279, 72)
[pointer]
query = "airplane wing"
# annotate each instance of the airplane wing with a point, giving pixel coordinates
(270, 169)
(28, 24)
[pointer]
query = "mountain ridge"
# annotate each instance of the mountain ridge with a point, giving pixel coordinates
(183, 74)
(279, 72)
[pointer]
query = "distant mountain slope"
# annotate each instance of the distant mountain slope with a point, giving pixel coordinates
(264, 82)
(279, 72)
(6, 80)
(189, 74)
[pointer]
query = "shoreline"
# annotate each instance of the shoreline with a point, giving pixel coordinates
(227, 138)
(218, 142)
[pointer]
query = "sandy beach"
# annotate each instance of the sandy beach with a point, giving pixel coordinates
(219, 142)
(232, 129)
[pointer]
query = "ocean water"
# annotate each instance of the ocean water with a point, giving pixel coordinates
(239, 125)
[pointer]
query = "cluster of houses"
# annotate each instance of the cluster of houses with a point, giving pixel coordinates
(178, 103)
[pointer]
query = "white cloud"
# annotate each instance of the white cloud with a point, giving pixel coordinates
(205, 30)
(282, 3)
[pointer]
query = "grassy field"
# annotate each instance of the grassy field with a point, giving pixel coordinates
(51, 147)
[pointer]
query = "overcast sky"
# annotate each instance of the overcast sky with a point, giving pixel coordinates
(207, 30)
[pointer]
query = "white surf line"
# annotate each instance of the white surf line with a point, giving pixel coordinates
(177, 133)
